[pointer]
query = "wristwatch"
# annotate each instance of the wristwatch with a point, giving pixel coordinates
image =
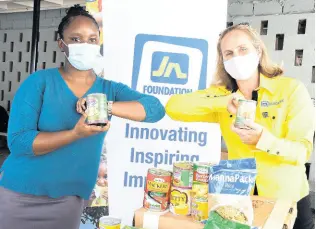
(110, 103)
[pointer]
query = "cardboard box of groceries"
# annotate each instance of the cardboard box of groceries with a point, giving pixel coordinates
(268, 214)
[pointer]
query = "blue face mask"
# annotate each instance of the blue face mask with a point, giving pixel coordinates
(83, 56)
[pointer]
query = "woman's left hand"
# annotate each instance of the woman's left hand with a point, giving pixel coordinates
(81, 106)
(249, 136)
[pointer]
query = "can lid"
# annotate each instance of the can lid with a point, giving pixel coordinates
(109, 220)
(96, 94)
(159, 172)
(203, 164)
(183, 165)
(246, 100)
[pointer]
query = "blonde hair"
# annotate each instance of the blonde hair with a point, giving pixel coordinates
(266, 67)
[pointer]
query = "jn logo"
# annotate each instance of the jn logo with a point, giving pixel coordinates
(169, 68)
(173, 61)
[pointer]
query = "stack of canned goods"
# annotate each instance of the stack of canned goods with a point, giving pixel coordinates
(199, 205)
(186, 192)
(181, 188)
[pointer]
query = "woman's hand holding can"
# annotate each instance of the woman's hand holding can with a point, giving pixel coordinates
(82, 129)
(232, 105)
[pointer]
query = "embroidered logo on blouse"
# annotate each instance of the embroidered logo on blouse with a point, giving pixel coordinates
(268, 103)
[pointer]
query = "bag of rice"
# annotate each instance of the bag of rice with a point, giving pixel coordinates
(230, 186)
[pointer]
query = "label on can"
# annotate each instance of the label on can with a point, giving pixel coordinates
(158, 180)
(97, 109)
(200, 189)
(201, 172)
(182, 174)
(246, 112)
(107, 222)
(180, 201)
(156, 201)
(199, 208)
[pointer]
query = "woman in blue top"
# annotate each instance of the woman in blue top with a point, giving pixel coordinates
(55, 156)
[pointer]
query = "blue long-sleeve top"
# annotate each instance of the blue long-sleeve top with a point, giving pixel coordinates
(45, 103)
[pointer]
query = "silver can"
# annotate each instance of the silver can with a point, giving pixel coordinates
(246, 112)
(108, 222)
(97, 109)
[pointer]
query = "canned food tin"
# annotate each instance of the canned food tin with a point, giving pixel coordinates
(180, 201)
(157, 190)
(199, 201)
(201, 172)
(97, 109)
(246, 112)
(182, 174)
(199, 210)
(108, 222)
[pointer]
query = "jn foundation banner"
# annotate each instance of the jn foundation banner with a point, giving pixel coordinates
(161, 48)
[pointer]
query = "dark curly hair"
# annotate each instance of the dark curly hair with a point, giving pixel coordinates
(73, 12)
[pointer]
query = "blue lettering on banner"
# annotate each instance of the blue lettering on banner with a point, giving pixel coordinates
(134, 180)
(159, 158)
(157, 90)
(169, 68)
(179, 135)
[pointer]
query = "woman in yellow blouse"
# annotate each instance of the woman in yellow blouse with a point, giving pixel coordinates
(281, 138)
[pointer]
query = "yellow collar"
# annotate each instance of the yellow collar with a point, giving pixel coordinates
(267, 83)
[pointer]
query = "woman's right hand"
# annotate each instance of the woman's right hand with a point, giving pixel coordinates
(82, 129)
(233, 104)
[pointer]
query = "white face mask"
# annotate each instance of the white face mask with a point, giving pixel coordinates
(83, 56)
(242, 67)
(99, 66)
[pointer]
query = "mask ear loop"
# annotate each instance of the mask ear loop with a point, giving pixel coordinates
(63, 50)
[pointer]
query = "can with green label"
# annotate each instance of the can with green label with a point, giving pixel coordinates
(97, 109)
(182, 174)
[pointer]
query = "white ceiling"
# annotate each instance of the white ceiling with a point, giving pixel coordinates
(10, 6)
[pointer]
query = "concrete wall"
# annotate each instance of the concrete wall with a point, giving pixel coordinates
(23, 20)
(269, 7)
(15, 45)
